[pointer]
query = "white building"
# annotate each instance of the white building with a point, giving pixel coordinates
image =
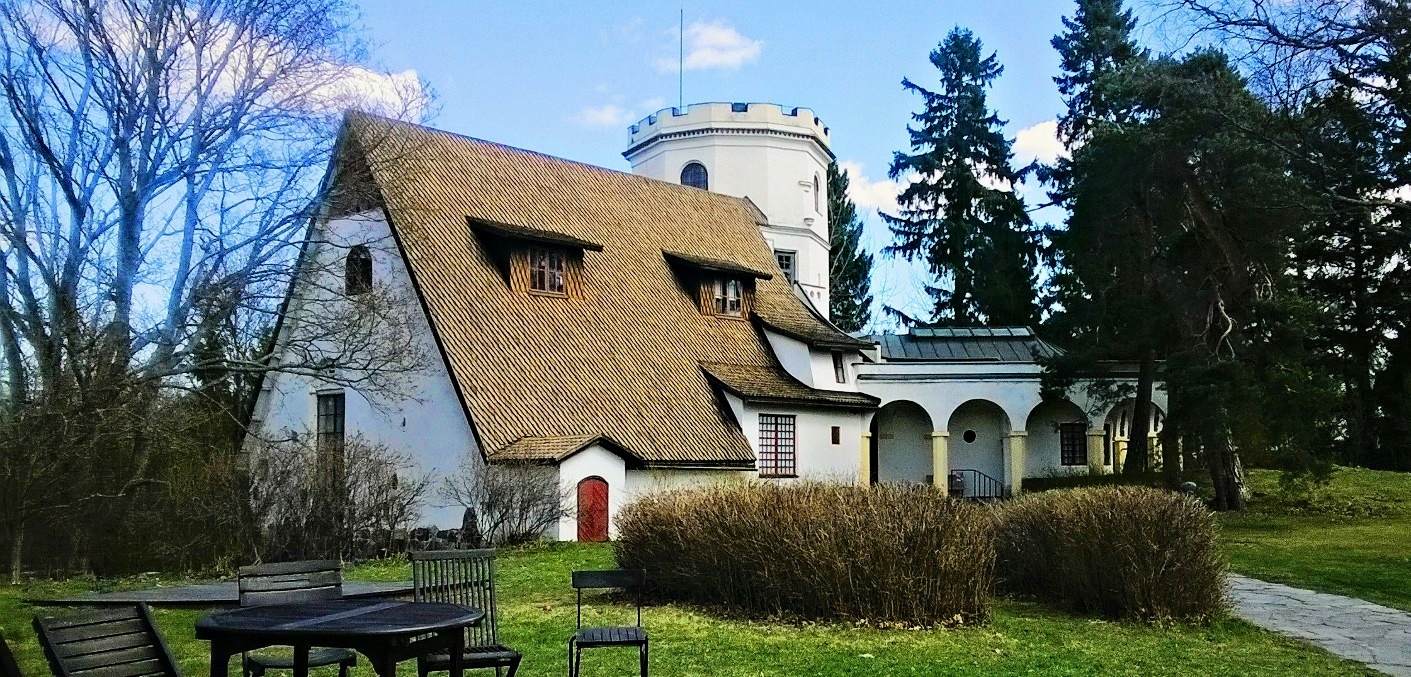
(629, 333)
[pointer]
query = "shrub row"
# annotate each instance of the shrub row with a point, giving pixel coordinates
(1084, 480)
(1121, 552)
(890, 554)
(907, 554)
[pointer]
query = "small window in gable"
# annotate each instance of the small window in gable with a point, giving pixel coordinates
(694, 175)
(788, 263)
(840, 369)
(546, 269)
(357, 272)
(729, 294)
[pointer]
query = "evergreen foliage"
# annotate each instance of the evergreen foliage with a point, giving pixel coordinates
(958, 214)
(849, 264)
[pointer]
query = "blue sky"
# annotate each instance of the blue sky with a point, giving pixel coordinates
(567, 78)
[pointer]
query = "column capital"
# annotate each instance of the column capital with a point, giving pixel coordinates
(1018, 433)
(940, 433)
(866, 435)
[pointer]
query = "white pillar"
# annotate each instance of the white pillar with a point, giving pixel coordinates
(940, 461)
(1014, 461)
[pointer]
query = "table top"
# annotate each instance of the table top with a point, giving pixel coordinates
(338, 618)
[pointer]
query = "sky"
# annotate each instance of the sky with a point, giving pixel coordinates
(568, 78)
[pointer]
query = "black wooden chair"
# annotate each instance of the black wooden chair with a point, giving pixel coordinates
(291, 583)
(627, 580)
(121, 642)
(465, 577)
(8, 666)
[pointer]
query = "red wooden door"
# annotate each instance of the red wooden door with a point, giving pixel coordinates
(593, 509)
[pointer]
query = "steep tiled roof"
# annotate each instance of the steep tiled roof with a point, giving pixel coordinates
(553, 449)
(965, 344)
(770, 385)
(623, 360)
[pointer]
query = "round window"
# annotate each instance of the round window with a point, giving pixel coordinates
(969, 437)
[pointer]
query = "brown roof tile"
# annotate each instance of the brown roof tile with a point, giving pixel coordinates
(620, 362)
(771, 385)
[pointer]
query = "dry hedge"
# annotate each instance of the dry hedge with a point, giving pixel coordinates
(1121, 552)
(885, 554)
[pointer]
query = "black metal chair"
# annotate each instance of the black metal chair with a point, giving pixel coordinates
(122, 642)
(465, 577)
(628, 580)
(291, 583)
(8, 666)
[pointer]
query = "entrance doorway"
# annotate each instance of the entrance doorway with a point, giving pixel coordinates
(593, 509)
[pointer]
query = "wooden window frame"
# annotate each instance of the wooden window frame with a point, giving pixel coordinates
(837, 434)
(1073, 443)
(544, 277)
(705, 174)
(330, 430)
(791, 273)
(723, 302)
(778, 445)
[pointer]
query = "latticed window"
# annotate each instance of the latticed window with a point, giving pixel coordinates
(694, 175)
(729, 295)
(329, 428)
(1073, 443)
(786, 264)
(546, 266)
(776, 445)
(357, 271)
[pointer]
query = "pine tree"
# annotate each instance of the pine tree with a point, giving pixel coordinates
(849, 265)
(1102, 258)
(959, 215)
(1096, 44)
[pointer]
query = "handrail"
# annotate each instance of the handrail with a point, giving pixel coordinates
(971, 483)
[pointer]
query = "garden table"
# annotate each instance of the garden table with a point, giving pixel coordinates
(384, 631)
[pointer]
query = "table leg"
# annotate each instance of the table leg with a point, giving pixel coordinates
(220, 658)
(301, 660)
(457, 647)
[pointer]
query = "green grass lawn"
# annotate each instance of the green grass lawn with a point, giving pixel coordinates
(1351, 538)
(536, 605)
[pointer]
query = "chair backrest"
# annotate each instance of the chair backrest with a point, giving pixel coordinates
(630, 580)
(290, 582)
(116, 642)
(8, 666)
(465, 577)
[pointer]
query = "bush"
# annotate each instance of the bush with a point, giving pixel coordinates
(886, 554)
(1121, 552)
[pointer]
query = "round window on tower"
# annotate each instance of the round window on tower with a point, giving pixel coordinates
(694, 175)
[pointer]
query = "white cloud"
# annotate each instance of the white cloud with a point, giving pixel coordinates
(397, 95)
(606, 115)
(713, 44)
(1038, 142)
(866, 193)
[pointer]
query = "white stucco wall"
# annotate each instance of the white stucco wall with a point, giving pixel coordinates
(766, 153)
(903, 444)
(424, 419)
(941, 388)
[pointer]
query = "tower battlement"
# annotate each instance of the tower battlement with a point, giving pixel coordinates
(727, 117)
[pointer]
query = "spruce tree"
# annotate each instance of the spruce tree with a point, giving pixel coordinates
(849, 265)
(958, 214)
(1102, 258)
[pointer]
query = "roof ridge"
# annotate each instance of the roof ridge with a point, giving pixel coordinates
(548, 156)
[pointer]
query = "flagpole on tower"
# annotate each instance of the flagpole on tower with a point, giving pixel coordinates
(681, 63)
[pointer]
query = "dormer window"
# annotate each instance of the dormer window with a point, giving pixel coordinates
(729, 296)
(357, 271)
(694, 175)
(546, 269)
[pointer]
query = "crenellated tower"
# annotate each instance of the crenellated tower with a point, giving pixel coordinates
(777, 157)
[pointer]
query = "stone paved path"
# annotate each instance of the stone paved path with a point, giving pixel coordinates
(1346, 626)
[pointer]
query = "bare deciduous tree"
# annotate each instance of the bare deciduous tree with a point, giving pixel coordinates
(512, 503)
(160, 164)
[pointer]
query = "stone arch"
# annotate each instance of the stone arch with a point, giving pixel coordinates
(977, 438)
(1050, 424)
(901, 443)
(1117, 429)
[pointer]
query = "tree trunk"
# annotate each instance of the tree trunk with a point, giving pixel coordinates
(16, 553)
(1225, 472)
(1138, 454)
(1171, 452)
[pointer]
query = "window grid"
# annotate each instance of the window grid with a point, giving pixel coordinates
(357, 273)
(1073, 443)
(546, 268)
(786, 264)
(330, 427)
(776, 445)
(694, 175)
(729, 296)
